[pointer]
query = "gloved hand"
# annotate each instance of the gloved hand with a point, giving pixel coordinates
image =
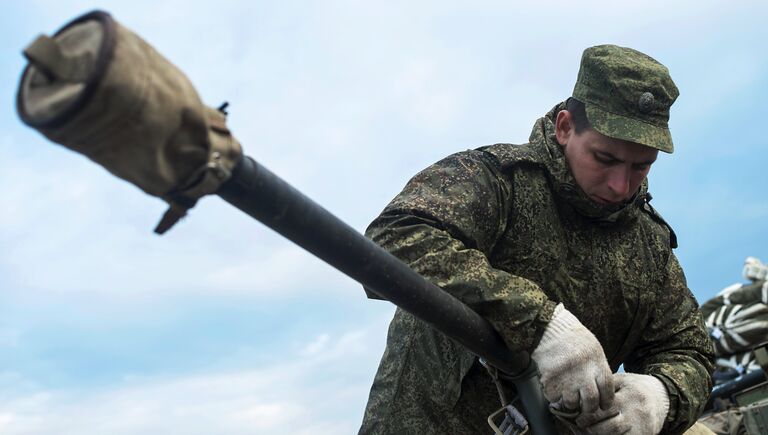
(640, 408)
(574, 371)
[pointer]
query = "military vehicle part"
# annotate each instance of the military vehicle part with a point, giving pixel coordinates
(752, 394)
(756, 418)
(727, 389)
(100, 90)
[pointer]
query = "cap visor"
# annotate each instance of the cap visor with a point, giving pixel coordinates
(630, 129)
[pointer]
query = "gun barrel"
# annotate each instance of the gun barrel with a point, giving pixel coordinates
(263, 195)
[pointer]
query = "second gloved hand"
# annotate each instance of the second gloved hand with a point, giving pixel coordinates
(574, 371)
(640, 408)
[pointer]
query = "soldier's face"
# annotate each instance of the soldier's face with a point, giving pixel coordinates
(609, 170)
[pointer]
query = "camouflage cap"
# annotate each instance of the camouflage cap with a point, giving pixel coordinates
(627, 95)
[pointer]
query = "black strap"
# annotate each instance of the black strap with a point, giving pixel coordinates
(648, 208)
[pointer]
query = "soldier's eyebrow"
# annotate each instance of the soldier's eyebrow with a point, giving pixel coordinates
(607, 155)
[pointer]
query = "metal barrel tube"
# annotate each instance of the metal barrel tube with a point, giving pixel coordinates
(272, 201)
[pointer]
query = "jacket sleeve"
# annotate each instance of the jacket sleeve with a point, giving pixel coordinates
(444, 225)
(677, 349)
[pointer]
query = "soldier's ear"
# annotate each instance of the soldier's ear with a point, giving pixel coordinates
(564, 128)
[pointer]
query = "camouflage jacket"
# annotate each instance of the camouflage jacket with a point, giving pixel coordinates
(506, 229)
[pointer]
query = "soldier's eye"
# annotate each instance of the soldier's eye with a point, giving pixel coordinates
(604, 158)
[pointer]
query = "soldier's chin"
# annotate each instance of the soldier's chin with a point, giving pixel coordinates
(602, 201)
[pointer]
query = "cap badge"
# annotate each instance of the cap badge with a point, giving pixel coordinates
(646, 102)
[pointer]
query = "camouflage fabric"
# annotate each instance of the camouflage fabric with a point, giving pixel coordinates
(506, 229)
(627, 95)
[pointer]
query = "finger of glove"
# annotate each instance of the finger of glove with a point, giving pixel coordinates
(606, 387)
(590, 397)
(589, 419)
(579, 390)
(570, 399)
(553, 390)
(616, 425)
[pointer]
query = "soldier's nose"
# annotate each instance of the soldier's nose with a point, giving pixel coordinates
(618, 183)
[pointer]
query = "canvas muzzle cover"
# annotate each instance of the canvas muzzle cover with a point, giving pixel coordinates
(99, 89)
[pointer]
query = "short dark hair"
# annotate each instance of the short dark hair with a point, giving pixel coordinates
(578, 115)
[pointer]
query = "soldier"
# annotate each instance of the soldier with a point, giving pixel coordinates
(555, 243)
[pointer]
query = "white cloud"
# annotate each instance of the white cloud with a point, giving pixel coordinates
(5, 419)
(272, 416)
(316, 345)
(309, 392)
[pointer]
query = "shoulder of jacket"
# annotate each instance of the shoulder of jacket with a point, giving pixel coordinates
(510, 153)
(469, 160)
(660, 225)
(507, 154)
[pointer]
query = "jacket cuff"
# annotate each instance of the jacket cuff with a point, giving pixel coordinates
(671, 423)
(544, 318)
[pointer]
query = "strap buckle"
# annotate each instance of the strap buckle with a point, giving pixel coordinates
(513, 422)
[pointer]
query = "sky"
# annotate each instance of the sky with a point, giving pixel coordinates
(221, 326)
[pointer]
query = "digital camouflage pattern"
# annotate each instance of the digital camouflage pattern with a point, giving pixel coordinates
(627, 95)
(507, 230)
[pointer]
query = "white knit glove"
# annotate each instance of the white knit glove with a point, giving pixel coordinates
(640, 408)
(574, 371)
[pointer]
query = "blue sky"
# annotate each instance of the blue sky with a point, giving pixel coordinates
(221, 326)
